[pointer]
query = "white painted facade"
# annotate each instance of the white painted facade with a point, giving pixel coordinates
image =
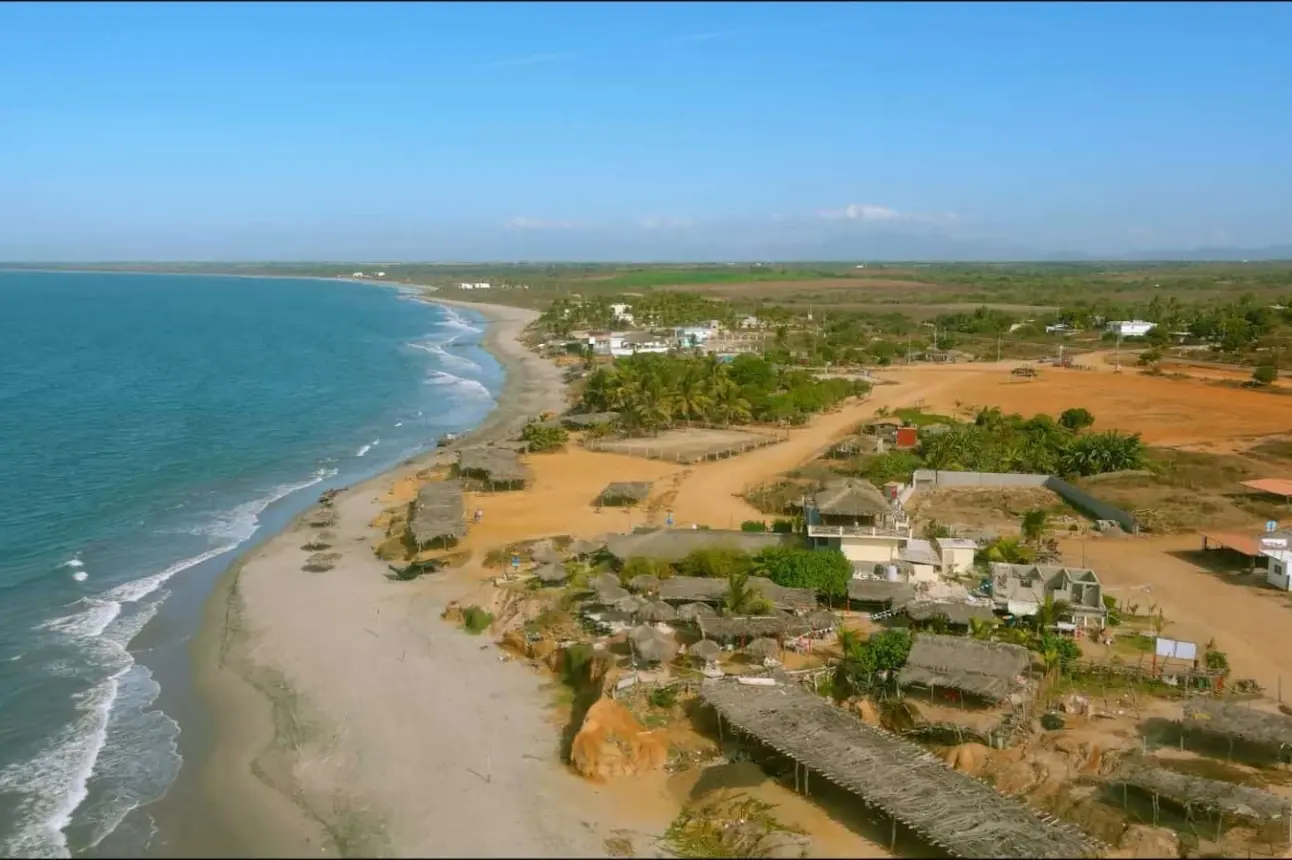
(957, 555)
(1278, 570)
(1131, 328)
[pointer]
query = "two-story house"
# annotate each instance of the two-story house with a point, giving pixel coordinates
(1021, 589)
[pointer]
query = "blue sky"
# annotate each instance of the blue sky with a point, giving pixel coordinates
(642, 131)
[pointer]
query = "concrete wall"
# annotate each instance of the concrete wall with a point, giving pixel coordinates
(1078, 498)
(860, 549)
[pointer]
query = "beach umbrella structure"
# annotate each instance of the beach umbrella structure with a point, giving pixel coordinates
(323, 540)
(630, 605)
(644, 583)
(603, 581)
(321, 561)
(658, 611)
(693, 611)
(552, 574)
(706, 651)
(546, 554)
(580, 548)
(763, 648)
(322, 518)
(651, 645)
(611, 595)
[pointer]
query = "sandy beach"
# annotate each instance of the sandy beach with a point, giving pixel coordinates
(348, 718)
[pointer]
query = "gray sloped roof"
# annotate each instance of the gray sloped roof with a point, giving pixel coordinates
(852, 497)
(880, 591)
(986, 669)
(955, 613)
(955, 812)
(438, 512)
(621, 492)
(677, 544)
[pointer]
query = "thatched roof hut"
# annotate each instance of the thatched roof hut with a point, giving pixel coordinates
(763, 648)
(956, 614)
(988, 670)
(658, 611)
(546, 554)
(957, 813)
(881, 591)
(439, 515)
(322, 518)
(580, 548)
(701, 589)
(706, 650)
(725, 629)
(630, 605)
(584, 420)
(821, 621)
(321, 561)
(611, 594)
(621, 493)
(644, 582)
(1194, 792)
(851, 497)
(323, 540)
(651, 645)
(604, 580)
(1269, 733)
(552, 574)
(500, 467)
(692, 611)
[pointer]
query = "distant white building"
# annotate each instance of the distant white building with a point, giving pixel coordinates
(621, 311)
(749, 322)
(1130, 328)
(1057, 328)
(482, 285)
(381, 274)
(466, 286)
(357, 275)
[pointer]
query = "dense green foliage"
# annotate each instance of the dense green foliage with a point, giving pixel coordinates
(753, 526)
(826, 572)
(652, 392)
(639, 565)
(542, 438)
(1265, 374)
(863, 658)
(476, 620)
(719, 562)
(1076, 419)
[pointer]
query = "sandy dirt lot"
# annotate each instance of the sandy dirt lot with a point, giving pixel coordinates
(687, 445)
(1167, 412)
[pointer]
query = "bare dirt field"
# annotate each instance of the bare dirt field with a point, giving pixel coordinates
(991, 508)
(1178, 413)
(688, 445)
(795, 290)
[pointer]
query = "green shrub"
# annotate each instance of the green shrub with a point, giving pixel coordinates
(541, 438)
(783, 527)
(719, 562)
(753, 526)
(1265, 374)
(476, 620)
(639, 565)
(663, 697)
(826, 572)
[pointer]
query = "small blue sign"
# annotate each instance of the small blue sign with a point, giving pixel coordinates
(515, 562)
(669, 519)
(1271, 525)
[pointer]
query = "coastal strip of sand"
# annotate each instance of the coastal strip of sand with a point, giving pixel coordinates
(347, 718)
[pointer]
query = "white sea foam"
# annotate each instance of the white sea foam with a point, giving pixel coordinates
(53, 785)
(453, 319)
(438, 350)
(80, 576)
(74, 561)
(399, 423)
(363, 449)
(458, 385)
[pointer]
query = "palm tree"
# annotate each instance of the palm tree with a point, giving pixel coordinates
(691, 397)
(980, 628)
(1033, 525)
(1009, 551)
(741, 598)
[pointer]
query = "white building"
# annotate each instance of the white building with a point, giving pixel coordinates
(381, 274)
(750, 322)
(1130, 328)
(1057, 328)
(484, 285)
(357, 275)
(466, 286)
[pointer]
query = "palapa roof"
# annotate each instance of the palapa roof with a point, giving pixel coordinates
(493, 464)
(612, 594)
(644, 582)
(986, 669)
(955, 613)
(652, 645)
(658, 611)
(763, 647)
(1195, 791)
(552, 573)
(584, 547)
(588, 419)
(604, 580)
(822, 619)
(677, 544)
(438, 512)
(706, 650)
(1227, 719)
(703, 589)
(880, 591)
(546, 554)
(751, 627)
(624, 491)
(692, 611)
(851, 497)
(951, 810)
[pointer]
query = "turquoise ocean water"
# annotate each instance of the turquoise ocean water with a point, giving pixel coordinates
(150, 427)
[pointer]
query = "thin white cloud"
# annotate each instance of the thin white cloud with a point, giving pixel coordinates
(526, 223)
(873, 213)
(654, 223)
(704, 37)
(530, 60)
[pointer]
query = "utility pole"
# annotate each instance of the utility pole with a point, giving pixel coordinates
(998, 349)
(1117, 368)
